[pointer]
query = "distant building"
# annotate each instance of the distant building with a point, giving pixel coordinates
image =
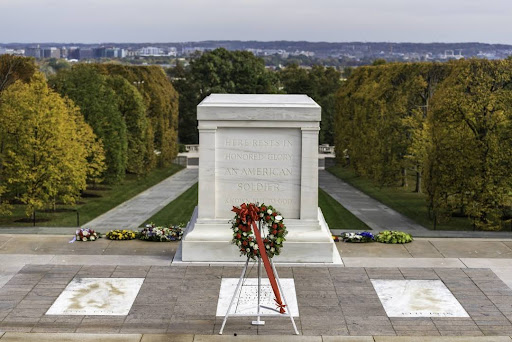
(33, 52)
(190, 50)
(279, 52)
(99, 52)
(131, 53)
(172, 51)
(151, 51)
(73, 52)
(115, 53)
(85, 53)
(303, 53)
(5, 51)
(51, 52)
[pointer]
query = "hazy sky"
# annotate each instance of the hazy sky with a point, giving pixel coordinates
(96, 21)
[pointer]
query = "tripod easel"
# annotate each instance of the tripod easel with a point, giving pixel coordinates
(258, 321)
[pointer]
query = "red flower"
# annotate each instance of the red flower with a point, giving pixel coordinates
(238, 236)
(274, 214)
(267, 218)
(274, 232)
(274, 226)
(280, 225)
(263, 208)
(244, 243)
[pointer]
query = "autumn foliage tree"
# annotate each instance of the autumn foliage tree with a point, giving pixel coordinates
(448, 123)
(471, 157)
(13, 68)
(47, 151)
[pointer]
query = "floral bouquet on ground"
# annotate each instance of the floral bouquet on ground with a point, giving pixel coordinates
(121, 234)
(357, 237)
(162, 234)
(85, 234)
(393, 236)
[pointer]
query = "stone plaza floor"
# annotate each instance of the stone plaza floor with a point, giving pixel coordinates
(180, 302)
(183, 300)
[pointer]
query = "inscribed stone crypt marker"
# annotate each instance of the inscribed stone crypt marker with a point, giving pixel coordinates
(258, 166)
(260, 149)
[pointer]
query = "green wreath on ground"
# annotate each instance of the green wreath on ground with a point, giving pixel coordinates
(243, 234)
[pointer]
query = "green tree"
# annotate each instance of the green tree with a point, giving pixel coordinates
(190, 96)
(321, 84)
(53, 65)
(99, 104)
(161, 101)
(218, 71)
(131, 105)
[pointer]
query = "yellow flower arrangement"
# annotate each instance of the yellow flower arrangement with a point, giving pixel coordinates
(122, 234)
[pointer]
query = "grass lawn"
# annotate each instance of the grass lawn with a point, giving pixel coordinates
(403, 200)
(180, 210)
(336, 215)
(93, 203)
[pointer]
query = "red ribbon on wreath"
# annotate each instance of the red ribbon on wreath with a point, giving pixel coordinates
(268, 268)
(250, 214)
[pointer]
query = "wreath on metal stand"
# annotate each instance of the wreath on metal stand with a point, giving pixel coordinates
(243, 234)
(247, 236)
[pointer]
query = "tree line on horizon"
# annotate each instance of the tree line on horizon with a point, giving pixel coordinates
(450, 124)
(85, 124)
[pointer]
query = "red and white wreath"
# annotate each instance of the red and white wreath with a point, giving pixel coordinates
(243, 234)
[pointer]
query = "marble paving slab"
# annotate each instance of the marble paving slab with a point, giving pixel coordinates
(247, 302)
(97, 296)
(417, 298)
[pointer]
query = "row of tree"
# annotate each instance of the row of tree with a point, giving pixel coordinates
(85, 124)
(47, 150)
(223, 71)
(450, 124)
(132, 109)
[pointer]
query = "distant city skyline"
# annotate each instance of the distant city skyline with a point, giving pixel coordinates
(130, 21)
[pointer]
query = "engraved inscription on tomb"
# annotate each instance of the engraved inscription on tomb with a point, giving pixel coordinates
(246, 302)
(258, 165)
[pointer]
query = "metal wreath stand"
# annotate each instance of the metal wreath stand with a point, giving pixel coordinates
(238, 290)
